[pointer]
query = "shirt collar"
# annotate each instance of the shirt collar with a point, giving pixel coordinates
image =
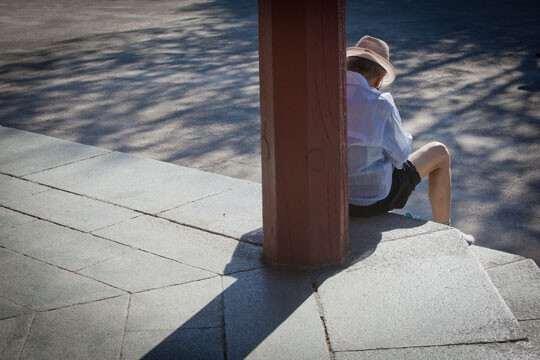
(354, 78)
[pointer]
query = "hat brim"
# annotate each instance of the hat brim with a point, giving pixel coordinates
(370, 55)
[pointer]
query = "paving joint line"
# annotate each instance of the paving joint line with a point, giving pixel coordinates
(114, 224)
(80, 303)
(244, 270)
(17, 316)
(106, 259)
(496, 266)
(158, 255)
(11, 301)
(171, 285)
(27, 335)
(224, 332)
(525, 339)
(90, 232)
(203, 198)
(177, 329)
(510, 263)
(117, 242)
(320, 309)
(68, 163)
(210, 231)
(65, 269)
(122, 343)
(525, 320)
(418, 234)
(141, 212)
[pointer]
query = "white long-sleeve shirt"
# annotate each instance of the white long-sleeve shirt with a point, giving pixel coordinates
(376, 141)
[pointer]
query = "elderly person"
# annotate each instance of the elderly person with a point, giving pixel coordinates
(382, 171)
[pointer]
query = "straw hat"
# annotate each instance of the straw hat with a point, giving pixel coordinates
(377, 51)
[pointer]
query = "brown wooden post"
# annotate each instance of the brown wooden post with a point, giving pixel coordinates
(304, 153)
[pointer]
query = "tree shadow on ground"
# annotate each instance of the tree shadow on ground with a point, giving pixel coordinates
(186, 92)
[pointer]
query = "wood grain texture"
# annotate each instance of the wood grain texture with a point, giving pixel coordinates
(304, 157)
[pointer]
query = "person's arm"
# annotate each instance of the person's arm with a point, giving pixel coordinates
(396, 142)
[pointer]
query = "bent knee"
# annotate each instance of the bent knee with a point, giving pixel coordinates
(440, 151)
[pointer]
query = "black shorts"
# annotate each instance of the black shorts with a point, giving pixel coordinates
(403, 183)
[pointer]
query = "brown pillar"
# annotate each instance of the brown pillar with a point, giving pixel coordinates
(304, 154)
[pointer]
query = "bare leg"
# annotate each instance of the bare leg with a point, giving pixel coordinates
(433, 159)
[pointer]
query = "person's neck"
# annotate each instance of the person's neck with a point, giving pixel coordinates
(371, 82)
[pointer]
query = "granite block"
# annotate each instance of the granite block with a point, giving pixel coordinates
(143, 184)
(187, 245)
(193, 305)
(388, 227)
(89, 331)
(179, 344)
(13, 333)
(490, 258)
(272, 315)
(137, 271)
(72, 210)
(10, 218)
(9, 309)
(420, 291)
(12, 189)
(236, 213)
(519, 285)
(497, 351)
(38, 286)
(26, 153)
(532, 329)
(60, 246)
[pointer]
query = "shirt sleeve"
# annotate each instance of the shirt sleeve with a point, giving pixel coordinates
(396, 142)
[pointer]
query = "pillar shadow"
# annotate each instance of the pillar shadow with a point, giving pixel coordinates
(258, 302)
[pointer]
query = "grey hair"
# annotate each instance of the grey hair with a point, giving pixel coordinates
(368, 68)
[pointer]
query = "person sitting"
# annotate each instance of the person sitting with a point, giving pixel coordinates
(382, 170)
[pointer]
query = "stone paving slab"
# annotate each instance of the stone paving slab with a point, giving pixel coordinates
(181, 344)
(503, 351)
(25, 153)
(429, 284)
(60, 246)
(137, 271)
(10, 218)
(12, 189)
(9, 309)
(519, 285)
(187, 245)
(272, 315)
(13, 333)
(194, 305)
(490, 258)
(39, 286)
(532, 329)
(142, 184)
(388, 227)
(72, 210)
(89, 331)
(236, 213)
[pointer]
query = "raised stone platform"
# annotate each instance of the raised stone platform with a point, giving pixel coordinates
(108, 255)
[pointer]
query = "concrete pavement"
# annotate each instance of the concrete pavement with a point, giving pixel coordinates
(109, 255)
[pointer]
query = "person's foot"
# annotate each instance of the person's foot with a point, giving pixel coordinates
(468, 238)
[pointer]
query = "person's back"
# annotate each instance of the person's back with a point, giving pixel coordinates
(375, 141)
(382, 171)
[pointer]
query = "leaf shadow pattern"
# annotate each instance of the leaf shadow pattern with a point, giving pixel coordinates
(184, 92)
(468, 77)
(187, 92)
